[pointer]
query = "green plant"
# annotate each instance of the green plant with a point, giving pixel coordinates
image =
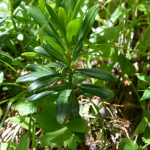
(63, 43)
(58, 43)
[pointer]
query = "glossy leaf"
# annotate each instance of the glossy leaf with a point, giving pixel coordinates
(62, 108)
(59, 3)
(97, 73)
(70, 4)
(64, 71)
(52, 88)
(55, 18)
(87, 24)
(39, 18)
(16, 3)
(72, 29)
(79, 55)
(43, 81)
(53, 43)
(40, 68)
(79, 48)
(63, 17)
(77, 9)
(54, 64)
(31, 76)
(41, 50)
(55, 54)
(78, 79)
(97, 90)
(29, 54)
(74, 106)
(70, 13)
(39, 96)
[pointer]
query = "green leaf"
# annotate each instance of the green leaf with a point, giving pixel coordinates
(87, 24)
(39, 18)
(32, 76)
(60, 137)
(63, 105)
(79, 49)
(16, 3)
(1, 113)
(65, 71)
(109, 33)
(97, 73)
(146, 94)
(4, 146)
(70, 13)
(25, 123)
(40, 68)
(59, 3)
(23, 143)
(4, 37)
(78, 79)
(70, 4)
(126, 144)
(46, 139)
(74, 106)
(56, 55)
(146, 136)
(97, 90)
(54, 64)
(143, 77)
(52, 88)
(53, 44)
(141, 126)
(49, 111)
(78, 125)
(29, 54)
(42, 51)
(39, 96)
(72, 30)
(145, 40)
(25, 107)
(77, 9)
(63, 17)
(79, 55)
(55, 19)
(43, 81)
(92, 45)
(125, 65)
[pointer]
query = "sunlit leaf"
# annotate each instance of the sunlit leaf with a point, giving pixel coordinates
(72, 29)
(97, 73)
